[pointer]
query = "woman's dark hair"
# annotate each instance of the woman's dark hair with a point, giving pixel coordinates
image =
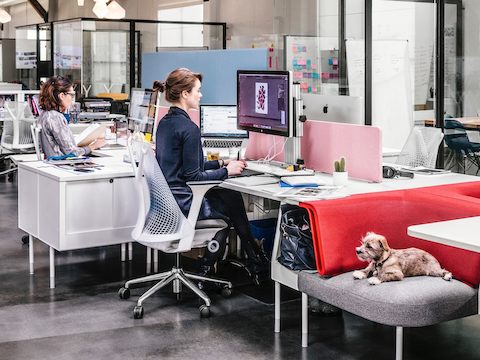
(178, 80)
(50, 90)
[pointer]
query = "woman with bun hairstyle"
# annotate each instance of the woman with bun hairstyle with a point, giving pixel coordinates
(179, 153)
(56, 97)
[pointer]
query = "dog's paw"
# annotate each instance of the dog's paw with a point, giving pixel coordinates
(448, 276)
(374, 281)
(358, 275)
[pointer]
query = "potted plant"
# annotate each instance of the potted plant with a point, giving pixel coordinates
(340, 175)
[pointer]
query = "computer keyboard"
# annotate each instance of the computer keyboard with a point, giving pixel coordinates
(275, 170)
(217, 143)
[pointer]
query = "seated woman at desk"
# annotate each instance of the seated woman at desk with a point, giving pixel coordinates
(56, 97)
(180, 156)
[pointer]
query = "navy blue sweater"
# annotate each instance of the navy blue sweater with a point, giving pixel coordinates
(180, 156)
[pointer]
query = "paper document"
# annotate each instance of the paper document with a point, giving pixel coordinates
(316, 193)
(311, 180)
(90, 134)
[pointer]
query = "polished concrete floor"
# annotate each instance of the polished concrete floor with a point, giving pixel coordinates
(83, 318)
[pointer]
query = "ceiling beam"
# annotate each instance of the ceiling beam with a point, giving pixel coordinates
(39, 9)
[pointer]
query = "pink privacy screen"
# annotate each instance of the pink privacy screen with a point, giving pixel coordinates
(324, 142)
(163, 110)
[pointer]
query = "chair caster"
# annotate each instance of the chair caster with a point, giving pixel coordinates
(138, 312)
(204, 311)
(25, 239)
(124, 293)
(226, 292)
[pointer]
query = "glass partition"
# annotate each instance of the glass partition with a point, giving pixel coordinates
(26, 56)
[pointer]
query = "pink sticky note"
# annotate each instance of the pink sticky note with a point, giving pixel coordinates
(314, 66)
(297, 74)
(335, 61)
(294, 49)
(302, 62)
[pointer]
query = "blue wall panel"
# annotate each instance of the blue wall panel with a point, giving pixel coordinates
(219, 69)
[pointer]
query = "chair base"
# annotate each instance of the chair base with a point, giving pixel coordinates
(178, 277)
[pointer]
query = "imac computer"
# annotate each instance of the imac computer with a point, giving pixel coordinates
(265, 102)
(334, 108)
(142, 110)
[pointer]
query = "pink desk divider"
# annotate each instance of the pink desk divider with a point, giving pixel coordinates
(259, 145)
(361, 146)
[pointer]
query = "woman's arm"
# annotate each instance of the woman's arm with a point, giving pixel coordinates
(64, 138)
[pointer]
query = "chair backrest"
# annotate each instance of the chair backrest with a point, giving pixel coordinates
(17, 133)
(160, 224)
(421, 147)
(36, 129)
(456, 137)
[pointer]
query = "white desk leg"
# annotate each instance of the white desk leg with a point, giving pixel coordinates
(155, 260)
(30, 253)
(123, 251)
(277, 307)
(304, 320)
(52, 268)
(149, 260)
(130, 251)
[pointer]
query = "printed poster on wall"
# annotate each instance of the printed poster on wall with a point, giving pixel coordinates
(261, 98)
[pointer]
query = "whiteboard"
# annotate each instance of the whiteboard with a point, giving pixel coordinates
(392, 108)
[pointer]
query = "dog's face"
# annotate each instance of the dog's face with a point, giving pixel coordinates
(372, 248)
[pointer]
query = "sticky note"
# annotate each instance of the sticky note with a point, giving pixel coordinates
(302, 62)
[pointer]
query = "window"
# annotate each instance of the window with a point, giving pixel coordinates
(177, 35)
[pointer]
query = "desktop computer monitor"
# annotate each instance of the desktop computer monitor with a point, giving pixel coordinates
(265, 102)
(142, 109)
(220, 121)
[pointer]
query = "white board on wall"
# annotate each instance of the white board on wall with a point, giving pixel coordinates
(392, 108)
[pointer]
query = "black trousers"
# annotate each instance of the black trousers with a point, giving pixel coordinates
(228, 205)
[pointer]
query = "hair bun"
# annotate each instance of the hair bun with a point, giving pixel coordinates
(159, 86)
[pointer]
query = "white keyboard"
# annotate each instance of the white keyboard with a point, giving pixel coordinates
(276, 170)
(221, 143)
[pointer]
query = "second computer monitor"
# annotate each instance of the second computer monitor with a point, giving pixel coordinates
(264, 101)
(220, 121)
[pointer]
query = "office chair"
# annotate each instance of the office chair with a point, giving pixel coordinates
(161, 225)
(36, 130)
(458, 142)
(421, 147)
(16, 135)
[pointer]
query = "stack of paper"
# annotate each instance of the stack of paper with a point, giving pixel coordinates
(303, 181)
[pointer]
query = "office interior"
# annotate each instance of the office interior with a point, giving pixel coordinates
(375, 79)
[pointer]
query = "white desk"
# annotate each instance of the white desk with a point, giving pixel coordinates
(460, 233)
(284, 276)
(69, 210)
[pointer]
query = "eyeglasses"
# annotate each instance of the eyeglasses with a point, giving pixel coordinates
(72, 94)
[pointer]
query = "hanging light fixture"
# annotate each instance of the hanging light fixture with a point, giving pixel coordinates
(115, 11)
(4, 16)
(100, 9)
(81, 2)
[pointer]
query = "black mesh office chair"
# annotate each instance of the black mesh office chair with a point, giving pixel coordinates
(463, 149)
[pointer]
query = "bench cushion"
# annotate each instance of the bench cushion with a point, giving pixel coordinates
(412, 302)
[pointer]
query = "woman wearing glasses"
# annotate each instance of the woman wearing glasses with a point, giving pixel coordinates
(56, 97)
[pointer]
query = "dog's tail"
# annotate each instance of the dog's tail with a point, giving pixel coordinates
(446, 275)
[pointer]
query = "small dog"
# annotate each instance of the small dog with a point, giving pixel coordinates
(386, 264)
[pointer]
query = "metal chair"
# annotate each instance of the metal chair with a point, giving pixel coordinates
(421, 147)
(462, 148)
(161, 225)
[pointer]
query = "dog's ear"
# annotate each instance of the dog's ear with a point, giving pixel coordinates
(383, 242)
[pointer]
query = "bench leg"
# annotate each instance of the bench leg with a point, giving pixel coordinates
(52, 268)
(399, 343)
(304, 320)
(277, 307)
(30, 253)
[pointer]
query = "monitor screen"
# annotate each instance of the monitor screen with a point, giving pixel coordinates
(142, 109)
(220, 121)
(264, 101)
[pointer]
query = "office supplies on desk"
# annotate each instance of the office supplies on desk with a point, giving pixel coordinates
(304, 181)
(316, 193)
(276, 170)
(253, 180)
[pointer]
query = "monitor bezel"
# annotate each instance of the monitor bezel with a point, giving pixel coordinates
(289, 132)
(149, 104)
(219, 135)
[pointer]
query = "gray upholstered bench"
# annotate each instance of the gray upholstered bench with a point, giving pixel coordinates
(413, 302)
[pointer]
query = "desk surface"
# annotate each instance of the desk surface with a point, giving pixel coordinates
(461, 233)
(472, 123)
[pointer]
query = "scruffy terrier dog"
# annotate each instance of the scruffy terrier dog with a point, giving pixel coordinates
(386, 264)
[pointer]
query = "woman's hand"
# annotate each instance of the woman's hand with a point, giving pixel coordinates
(235, 167)
(98, 143)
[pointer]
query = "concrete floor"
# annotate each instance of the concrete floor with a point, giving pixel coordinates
(83, 318)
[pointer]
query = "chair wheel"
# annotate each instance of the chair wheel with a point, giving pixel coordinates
(124, 293)
(138, 312)
(204, 311)
(25, 239)
(226, 292)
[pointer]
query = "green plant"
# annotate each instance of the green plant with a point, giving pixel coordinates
(339, 165)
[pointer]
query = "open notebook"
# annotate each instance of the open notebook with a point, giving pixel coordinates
(90, 134)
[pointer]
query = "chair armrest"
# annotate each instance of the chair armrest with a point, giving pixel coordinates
(199, 189)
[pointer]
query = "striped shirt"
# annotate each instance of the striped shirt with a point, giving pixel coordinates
(56, 137)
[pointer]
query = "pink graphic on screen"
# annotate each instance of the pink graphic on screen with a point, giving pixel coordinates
(261, 94)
